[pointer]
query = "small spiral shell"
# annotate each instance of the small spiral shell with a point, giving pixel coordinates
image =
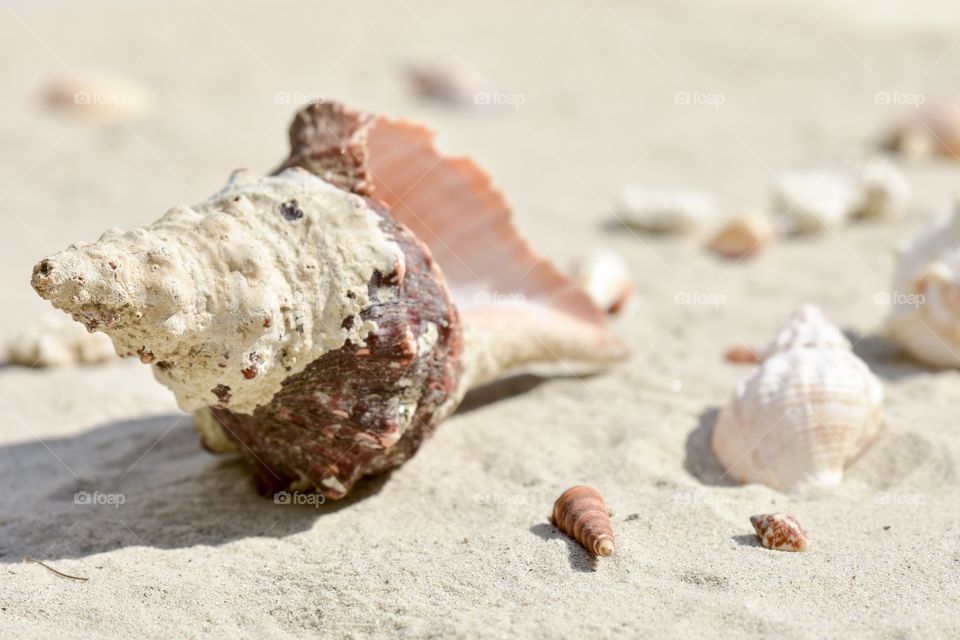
(780, 532)
(582, 514)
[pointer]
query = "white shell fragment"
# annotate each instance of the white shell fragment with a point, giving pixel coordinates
(605, 277)
(101, 96)
(925, 297)
(810, 408)
(58, 341)
(815, 201)
(885, 189)
(826, 200)
(664, 210)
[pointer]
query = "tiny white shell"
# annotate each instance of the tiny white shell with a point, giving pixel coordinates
(664, 210)
(605, 277)
(800, 417)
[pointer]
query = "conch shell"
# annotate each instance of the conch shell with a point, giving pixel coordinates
(925, 298)
(318, 330)
(810, 407)
(581, 513)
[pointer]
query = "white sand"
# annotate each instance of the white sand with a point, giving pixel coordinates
(456, 543)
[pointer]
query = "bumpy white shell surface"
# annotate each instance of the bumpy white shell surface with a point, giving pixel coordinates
(801, 416)
(664, 210)
(259, 278)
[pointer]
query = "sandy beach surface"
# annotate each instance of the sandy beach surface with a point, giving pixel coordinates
(456, 543)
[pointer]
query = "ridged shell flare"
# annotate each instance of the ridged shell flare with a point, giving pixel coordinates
(322, 320)
(925, 297)
(581, 513)
(810, 408)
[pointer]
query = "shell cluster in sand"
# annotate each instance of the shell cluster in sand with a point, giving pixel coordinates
(323, 319)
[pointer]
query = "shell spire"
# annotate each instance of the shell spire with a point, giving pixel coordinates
(582, 514)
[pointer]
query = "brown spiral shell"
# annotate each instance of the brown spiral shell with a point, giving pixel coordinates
(780, 532)
(582, 514)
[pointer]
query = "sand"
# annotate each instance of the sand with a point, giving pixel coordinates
(456, 543)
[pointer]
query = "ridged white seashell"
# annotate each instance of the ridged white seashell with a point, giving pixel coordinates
(801, 416)
(605, 277)
(664, 210)
(925, 317)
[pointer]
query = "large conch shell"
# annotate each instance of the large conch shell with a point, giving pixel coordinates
(320, 332)
(925, 299)
(810, 408)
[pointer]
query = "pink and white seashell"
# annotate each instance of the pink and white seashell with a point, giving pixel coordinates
(780, 532)
(925, 296)
(321, 332)
(810, 408)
